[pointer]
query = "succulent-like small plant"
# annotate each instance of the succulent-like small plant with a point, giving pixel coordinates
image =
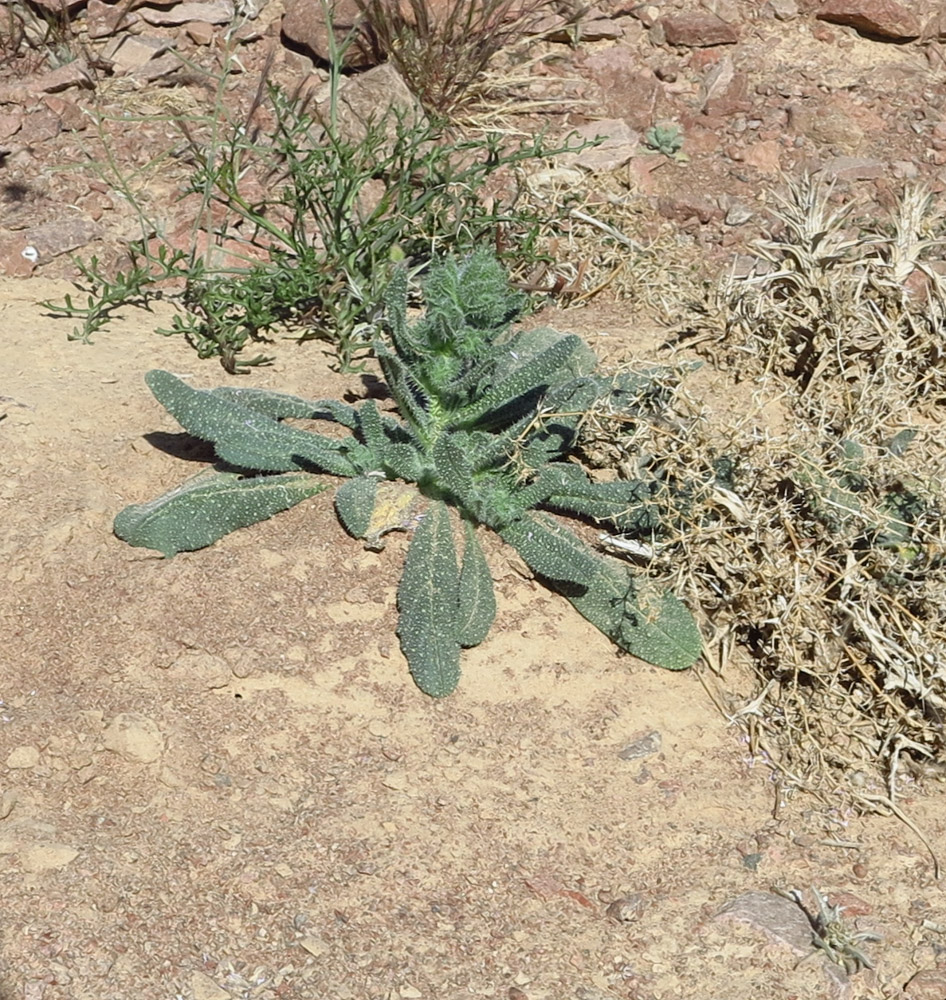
(487, 420)
(666, 139)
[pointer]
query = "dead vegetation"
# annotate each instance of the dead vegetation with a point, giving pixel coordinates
(817, 548)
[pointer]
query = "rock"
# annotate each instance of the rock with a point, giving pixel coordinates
(104, 19)
(217, 12)
(70, 74)
(154, 69)
(10, 123)
(50, 239)
(837, 122)
(17, 258)
(882, 18)
(628, 91)
(737, 214)
(304, 24)
(853, 168)
(134, 737)
(210, 672)
(39, 126)
(47, 857)
(199, 32)
(782, 10)
(58, 6)
(728, 10)
(935, 28)
(23, 758)
(598, 29)
(619, 144)
(717, 80)
(129, 52)
(780, 918)
(731, 97)
(204, 988)
(927, 984)
(689, 206)
(765, 156)
(70, 115)
(627, 909)
(369, 97)
(697, 30)
(641, 745)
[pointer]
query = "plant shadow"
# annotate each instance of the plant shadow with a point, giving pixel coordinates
(184, 446)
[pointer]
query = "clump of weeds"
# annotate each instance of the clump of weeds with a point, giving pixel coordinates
(322, 213)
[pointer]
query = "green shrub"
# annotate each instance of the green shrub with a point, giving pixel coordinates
(328, 253)
(488, 419)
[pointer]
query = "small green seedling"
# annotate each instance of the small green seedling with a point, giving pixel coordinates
(666, 139)
(487, 420)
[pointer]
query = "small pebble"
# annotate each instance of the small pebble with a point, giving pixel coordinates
(626, 909)
(23, 758)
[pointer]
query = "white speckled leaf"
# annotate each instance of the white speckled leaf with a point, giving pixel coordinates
(210, 506)
(427, 598)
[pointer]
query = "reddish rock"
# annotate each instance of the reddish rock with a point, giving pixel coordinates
(303, 23)
(95, 205)
(16, 93)
(216, 12)
(854, 168)
(927, 984)
(199, 32)
(70, 74)
(70, 115)
(17, 258)
(884, 18)
(628, 91)
(10, 123)
(38, 127)
(104, 19)
(764, 156)
(128, 53)
(371, 97)
(640, 169)
(697, 29)
(837, 122)
(732, 98)
(703, 60)
(689, 206)
(852, 905)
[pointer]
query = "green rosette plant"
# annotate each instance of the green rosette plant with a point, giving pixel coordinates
(486, 422)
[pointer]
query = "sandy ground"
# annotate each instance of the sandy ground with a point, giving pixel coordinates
(218, 780)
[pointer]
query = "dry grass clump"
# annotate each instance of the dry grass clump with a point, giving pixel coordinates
(816, 543)
(442, 50)
(601, 243)
(851, 317)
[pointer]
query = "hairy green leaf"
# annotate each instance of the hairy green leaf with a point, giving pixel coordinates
(354, 504)
(477, 605)
(660, 630)
(428, 598)
(210, 506)
(279, 405)
(625, 505)
(514, 391)
(248, 439)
